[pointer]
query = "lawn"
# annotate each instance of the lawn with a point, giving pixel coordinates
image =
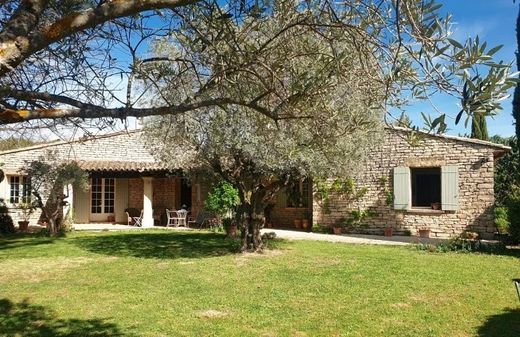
(165, 283)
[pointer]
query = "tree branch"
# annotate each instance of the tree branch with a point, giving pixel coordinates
(16, 49)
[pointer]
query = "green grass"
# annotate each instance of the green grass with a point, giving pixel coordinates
(164, 283)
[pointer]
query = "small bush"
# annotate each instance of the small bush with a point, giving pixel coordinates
(222, 198)
(320, 228)
(6, 222)
(514, 216)
(460, 245)
(502, 220)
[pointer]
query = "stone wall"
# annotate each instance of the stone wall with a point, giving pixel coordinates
(123, 146)
(476, 197)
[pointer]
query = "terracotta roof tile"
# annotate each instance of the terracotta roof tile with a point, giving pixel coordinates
(122, 166)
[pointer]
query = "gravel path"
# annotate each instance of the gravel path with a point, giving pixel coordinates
(351, 238)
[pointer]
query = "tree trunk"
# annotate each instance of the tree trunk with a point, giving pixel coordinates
(251, 220)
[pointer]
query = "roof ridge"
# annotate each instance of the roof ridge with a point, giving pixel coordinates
(456, 138)
(63, 142)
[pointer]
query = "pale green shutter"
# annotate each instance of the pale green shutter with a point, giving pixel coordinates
(450, 188)
(401, 188)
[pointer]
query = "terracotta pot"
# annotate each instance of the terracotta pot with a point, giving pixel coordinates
(306, 224)
(23, 225)
(297, 223)
(111, 218)
(424, 233)
(337, 230)
(389, 231)
(436, 206)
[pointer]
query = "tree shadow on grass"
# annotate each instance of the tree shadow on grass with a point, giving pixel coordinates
(171, 245)
(506, 324)
(27, 320)
(24, 240)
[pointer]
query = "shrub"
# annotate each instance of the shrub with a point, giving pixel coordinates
(222, 199)
(502, 220)
(514, 216)
(460, 245)
(6, 222)
(320, 228)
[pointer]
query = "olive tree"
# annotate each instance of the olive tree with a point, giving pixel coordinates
(300, 89)
(49, 178)
(327, 112)
(86, 62)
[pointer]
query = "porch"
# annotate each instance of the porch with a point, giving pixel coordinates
(116, 187)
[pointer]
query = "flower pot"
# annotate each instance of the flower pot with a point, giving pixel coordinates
(424, 233)
(470, 235)
(389, 231)
(436, 206)
(111, 218)
(306, 224)
(337, 230)
(23, 225)
(297, 223)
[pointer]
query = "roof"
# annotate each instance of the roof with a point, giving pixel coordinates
(147, 166)
(65, 142)
(122, 166)
(501, 147)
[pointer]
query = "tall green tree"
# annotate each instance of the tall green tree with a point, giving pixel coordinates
(516, 95)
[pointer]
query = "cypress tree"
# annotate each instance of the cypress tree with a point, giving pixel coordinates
(516, 96)
(479, 127)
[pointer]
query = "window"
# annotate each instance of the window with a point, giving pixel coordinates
(426, 186)
(19, 189)
(298, 194)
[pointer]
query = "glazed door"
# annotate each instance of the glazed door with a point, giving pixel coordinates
(102, 196)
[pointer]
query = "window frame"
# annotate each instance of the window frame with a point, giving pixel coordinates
(414, 184)
(23, 191)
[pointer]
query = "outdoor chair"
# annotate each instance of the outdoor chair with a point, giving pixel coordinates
(176, 218)
(204, 219)
(132, 213)
(138, 220)
(516, 281)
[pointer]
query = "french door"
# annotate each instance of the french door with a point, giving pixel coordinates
(102, 196)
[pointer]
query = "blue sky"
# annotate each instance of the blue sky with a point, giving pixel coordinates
(493, 21)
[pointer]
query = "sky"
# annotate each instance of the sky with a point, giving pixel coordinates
(493, 21)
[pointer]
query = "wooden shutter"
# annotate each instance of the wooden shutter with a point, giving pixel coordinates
(402, 188)
(81, 205)
(450, 188)
(121, 200)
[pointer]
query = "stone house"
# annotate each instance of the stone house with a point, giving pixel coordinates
(443, 183)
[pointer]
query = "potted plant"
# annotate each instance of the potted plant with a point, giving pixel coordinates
(470, 235)
(306, 220)
(338, 226)
(27, 210)
(297, 223)
(436, 206)
(424, 232)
